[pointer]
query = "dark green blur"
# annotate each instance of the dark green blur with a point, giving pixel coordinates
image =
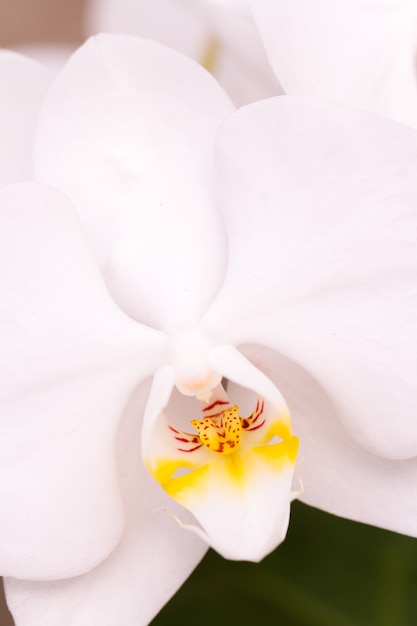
(328, 572)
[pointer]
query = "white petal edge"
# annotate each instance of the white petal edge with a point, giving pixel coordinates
(175, 23)
(70, 360)
(359, 52)
(220, 36)
(135, 123)
(152, 560)
(320, 208)
(24, 84)
(337, 474)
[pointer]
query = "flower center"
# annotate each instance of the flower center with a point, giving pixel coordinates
(221, 435)
(221, 430)
(228, 456)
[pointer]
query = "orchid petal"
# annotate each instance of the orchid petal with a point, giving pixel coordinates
(70, 359)
(241, 6)
(153, 548)
(138, 167)
(24, 84)
(236, 475)
(175, 23)
(241, 65)
(52, 56)
(359, 52)
(221, 36)
(337, 474)
(322, 263)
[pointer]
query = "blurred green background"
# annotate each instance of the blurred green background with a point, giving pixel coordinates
(328, 572)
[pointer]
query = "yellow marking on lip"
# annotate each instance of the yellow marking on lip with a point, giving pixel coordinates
(191, 485)
(163, 469)
(279, 454)
(234, 466)
(281, 428)
(210, 55)
(227, 472)
(230, 455)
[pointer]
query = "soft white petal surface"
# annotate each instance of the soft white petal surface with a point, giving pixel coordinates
(23, 85)
(153, 559)
(69, 361)
(359, 52)
(240, 63)
(337, 474)
(220, 36)
(323, 260)
(127, 132)
(237, 5)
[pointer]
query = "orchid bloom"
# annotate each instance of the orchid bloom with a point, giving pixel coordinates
(176, 280)
(362, 53)
(221, 35)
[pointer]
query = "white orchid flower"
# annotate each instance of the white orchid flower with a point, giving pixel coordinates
(362, 53)
(221, 35)
(168, 244)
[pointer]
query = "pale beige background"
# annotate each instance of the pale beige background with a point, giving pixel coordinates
(37, 21)
(32, 21)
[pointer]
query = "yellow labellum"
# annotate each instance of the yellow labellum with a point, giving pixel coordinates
(222, 433)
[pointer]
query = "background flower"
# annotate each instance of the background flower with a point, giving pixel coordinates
(359, 52)
(220, 35)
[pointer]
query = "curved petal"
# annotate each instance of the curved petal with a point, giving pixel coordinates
(239, 61)
(234, 472)
(152, 560)
(23, 83)
(359, 52)
(69, 362)
(237, 5)
(337, 474)
(222, 36)
(320, 204)
(136, 123)
(175, 23)
(53, 56)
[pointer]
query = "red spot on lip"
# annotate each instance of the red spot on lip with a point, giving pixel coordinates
(191, 449)
(213, 404)
(255, 427)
